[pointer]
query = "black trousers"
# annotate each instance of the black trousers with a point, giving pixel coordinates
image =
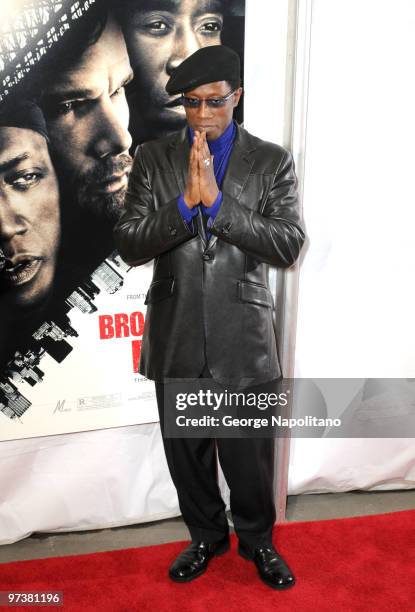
(248, 466)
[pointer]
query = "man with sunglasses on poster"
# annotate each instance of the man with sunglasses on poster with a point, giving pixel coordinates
(213, 205)
(160, 34)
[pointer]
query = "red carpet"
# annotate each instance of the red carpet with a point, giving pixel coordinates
(357, 564)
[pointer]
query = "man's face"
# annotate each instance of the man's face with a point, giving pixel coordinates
(29, 217)
(213, 121)
(87, 116)
(160, 34)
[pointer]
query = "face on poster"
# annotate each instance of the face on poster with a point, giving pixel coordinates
(72, 312)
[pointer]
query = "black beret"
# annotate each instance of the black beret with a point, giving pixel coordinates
(23, 114)
(206, 65)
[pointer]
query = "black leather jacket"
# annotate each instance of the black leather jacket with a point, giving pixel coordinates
(209, 300)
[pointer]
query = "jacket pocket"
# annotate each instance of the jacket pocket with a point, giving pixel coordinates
(159, 290)
(254, 294)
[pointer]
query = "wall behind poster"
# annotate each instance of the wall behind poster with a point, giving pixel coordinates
(357, 299)
(69, 351)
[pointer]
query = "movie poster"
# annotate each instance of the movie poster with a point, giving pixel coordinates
(81, 85)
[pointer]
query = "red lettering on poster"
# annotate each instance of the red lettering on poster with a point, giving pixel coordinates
(136, 346)
(122, 325)
(106, 329)
(122, 329)
(137, 323)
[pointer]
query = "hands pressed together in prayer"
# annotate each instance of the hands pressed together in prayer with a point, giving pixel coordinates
(201, 184)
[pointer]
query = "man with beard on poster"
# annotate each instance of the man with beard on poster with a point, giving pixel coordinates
(160, 34)
(82, 92)
(213, 206)
(29, 221)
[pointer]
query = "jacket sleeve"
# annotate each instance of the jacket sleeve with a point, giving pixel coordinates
(275, 234)
(144, 231)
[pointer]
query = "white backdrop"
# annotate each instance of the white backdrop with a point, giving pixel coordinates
(357, 295)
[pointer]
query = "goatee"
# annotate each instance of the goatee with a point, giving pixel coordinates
(101, 205)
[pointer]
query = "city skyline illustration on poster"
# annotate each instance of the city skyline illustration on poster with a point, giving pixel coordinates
(82, 84)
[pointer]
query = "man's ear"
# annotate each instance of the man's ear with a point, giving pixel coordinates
(237, 96)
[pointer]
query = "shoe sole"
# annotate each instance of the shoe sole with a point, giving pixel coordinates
(246, 556)
(219, 551)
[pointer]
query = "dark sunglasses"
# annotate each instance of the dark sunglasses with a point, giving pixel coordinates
(212, 102)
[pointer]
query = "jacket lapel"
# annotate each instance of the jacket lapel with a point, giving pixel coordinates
(239, 168)
(179, 152)
(240, 164)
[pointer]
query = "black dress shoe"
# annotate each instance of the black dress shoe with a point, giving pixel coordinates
(271, 567)
(193, 560)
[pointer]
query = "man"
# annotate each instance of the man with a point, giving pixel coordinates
(213, 205)
(29, 223)
(29, 210)
(160, 34)
(83, 95)
(81, 88)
